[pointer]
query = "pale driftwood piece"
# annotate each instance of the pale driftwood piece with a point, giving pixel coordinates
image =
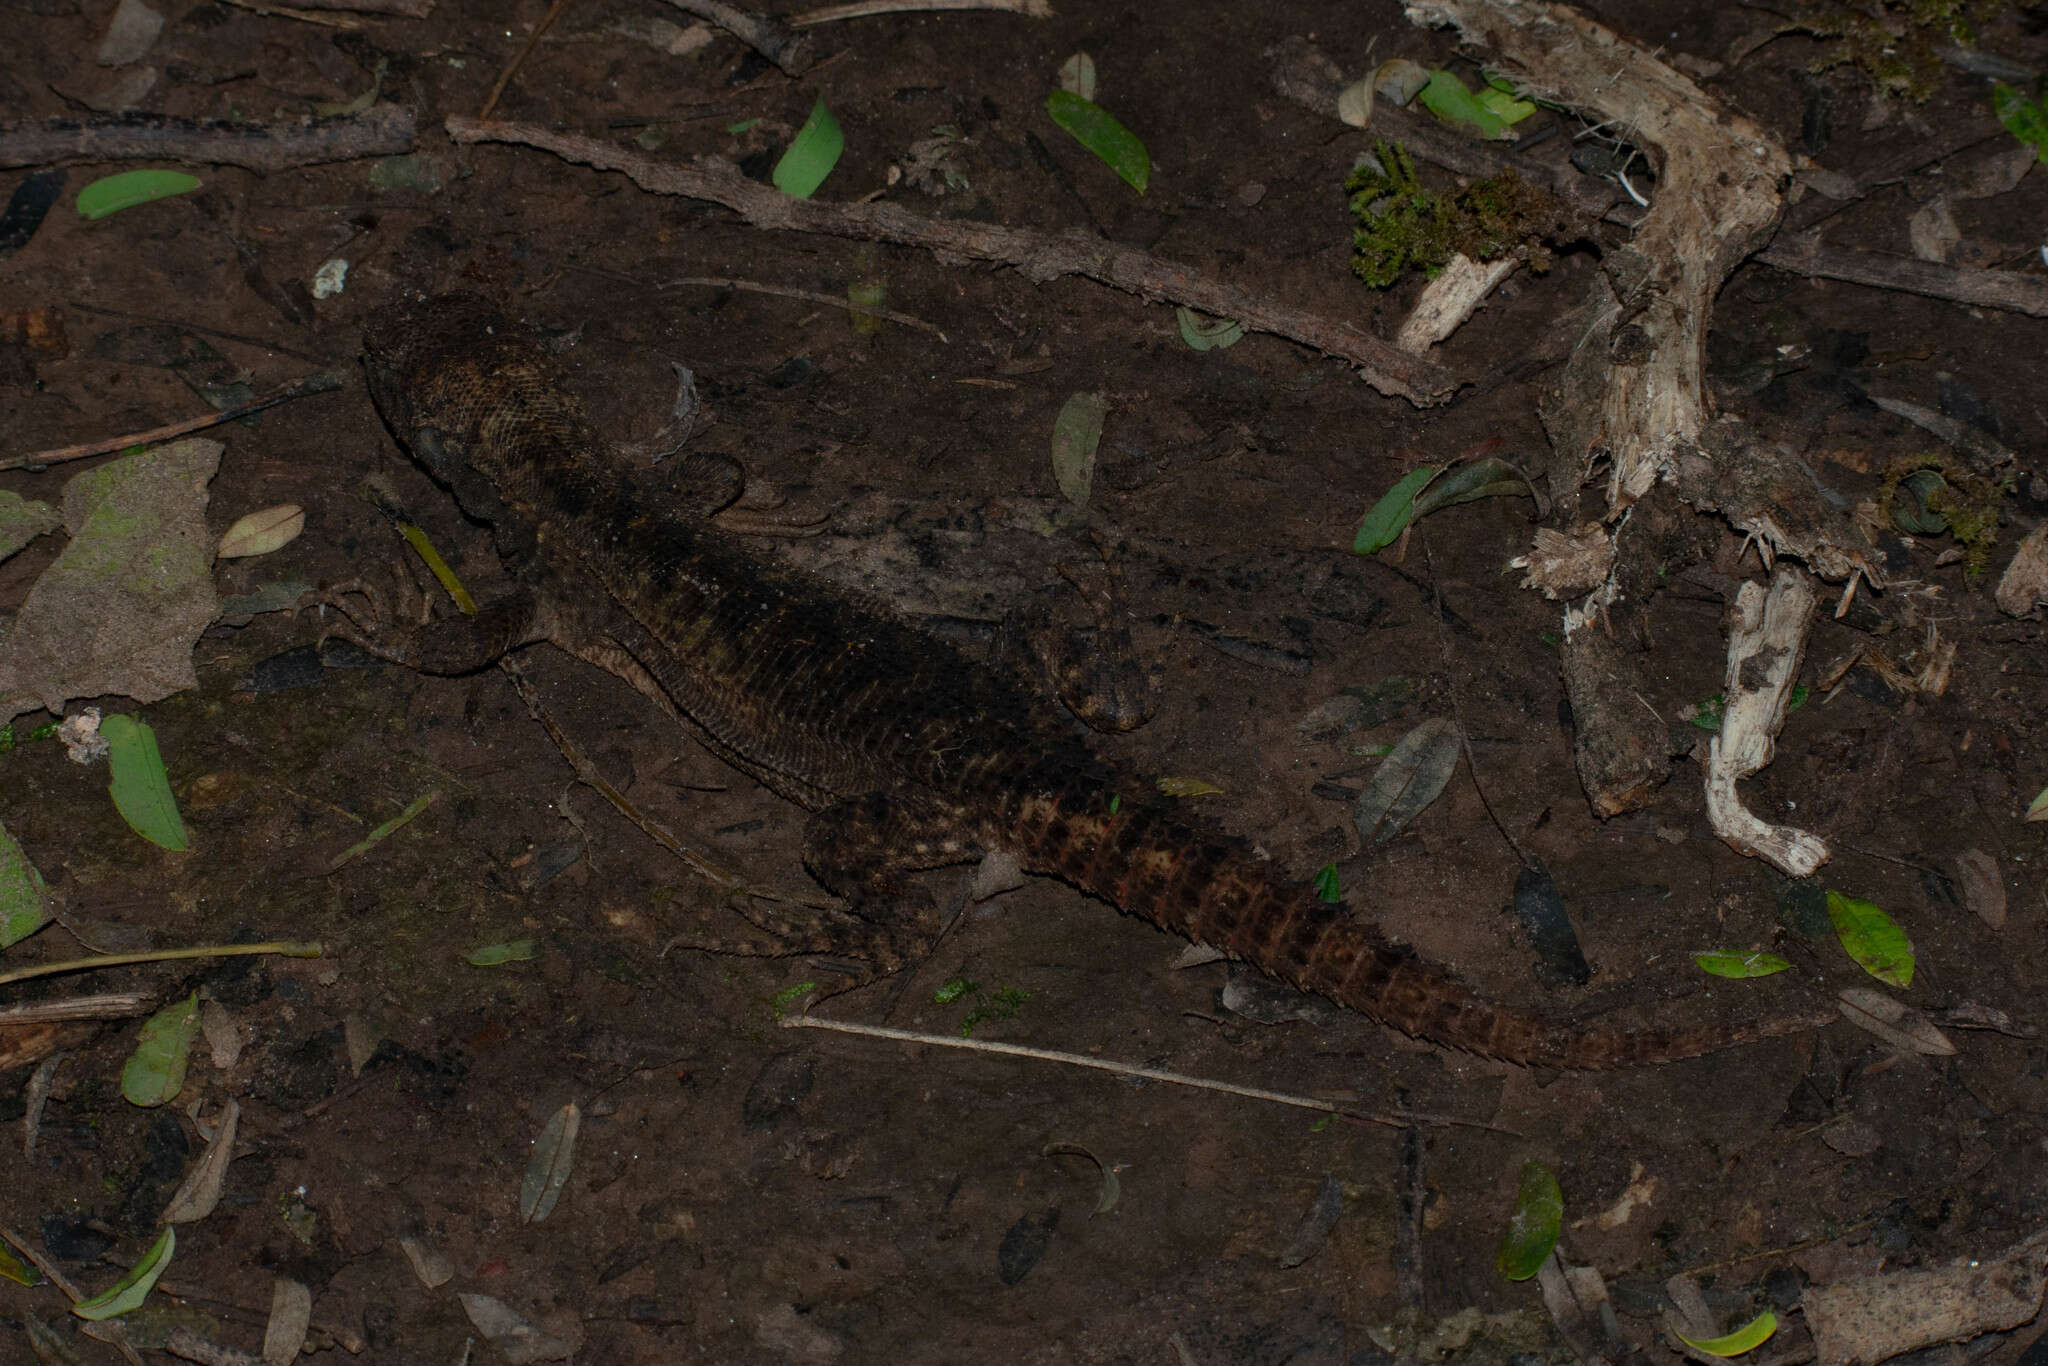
(1040, 256)
(2008, 290)
(1450, 299)
(1719, 193)
(1766, 639)
(1875, 1318)
(381, 130)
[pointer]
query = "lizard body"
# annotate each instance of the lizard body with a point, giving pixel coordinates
(908, 754)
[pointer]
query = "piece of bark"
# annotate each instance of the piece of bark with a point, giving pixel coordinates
(1621, 747)
(1040, 256)
(382, 130)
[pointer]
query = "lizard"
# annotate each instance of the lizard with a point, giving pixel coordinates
(907, 753)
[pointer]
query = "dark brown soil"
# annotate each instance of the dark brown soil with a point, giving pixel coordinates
(742, 1192)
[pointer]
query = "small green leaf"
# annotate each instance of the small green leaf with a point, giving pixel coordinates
(1446, 97)
(1207, 334)
(2024, 116)
(812, 154)
(23, 902)
(1503, 103)
(1326, 883)
(140, 788)
(781, 1001)
(130, 1291)
(1116, 803)
(1185, 787)
(1391, 515)
(1755, 1333)
(496, 955)
(1534, 1226)
(1873, 939)
(1726, 963)
(863, 298)
(1076, 433)
(744, 125)
(952, 990)
(18, 1271)
(126, 189)
(155, 1071)
(2037, 809)
(1097, 129)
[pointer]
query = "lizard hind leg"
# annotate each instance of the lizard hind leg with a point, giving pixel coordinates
(863, 848)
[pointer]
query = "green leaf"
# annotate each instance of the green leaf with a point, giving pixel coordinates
(496, 955)
(1468, 483)
(23, 904)
(140, 788)
(1076, 432)
(1326, 883)
(1726, 963)
(1207, 334)
(744, 125)
(2037, 809)
(130, 1291)
(1097, 129)
(2024, 116)
(1752, 1334)
(1503, 103)
(812, 154)
(18, 1271)
(1446, 97)
(1873, 939)
(155, 1071)
(952, 990)
(111, 194)
(1391, 515)
(1534, 1226)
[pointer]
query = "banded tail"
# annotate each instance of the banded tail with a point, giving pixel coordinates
(1214, 891)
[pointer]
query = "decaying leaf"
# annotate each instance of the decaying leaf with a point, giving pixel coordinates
(200, 1192)
(91, 626)
(291, 1314)
(1897, 1023)
(1408, 780)
(1315, 1226)
(1186, 787)
(1567, 567)
(259, 533)
(223, 1035)
(554, 1157)
(1112, 1189)
(1076, 432)
(2025, 581)
(428, 1262)
(515, 1339)
(1978, 876)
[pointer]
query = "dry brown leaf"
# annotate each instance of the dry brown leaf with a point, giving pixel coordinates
(1897, 1023)
(291, 1314)
(1983, 888)
(200, 1192)
(2025, 581)
(259, 533)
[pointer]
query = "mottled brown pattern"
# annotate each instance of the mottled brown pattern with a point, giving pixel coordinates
(910, 754)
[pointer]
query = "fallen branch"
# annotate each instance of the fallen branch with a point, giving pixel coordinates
(1040, 256)
(790, 51)
(2010, 290)
(384, 130)
(312, 384)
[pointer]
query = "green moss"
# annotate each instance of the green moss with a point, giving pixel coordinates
(1926, 494)
(1403, 225)
(1897, 43)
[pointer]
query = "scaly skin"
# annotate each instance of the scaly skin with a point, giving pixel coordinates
(911, 755)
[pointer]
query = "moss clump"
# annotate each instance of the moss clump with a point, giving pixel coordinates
(1925, 495)
(1403, 225)
(1897, 43)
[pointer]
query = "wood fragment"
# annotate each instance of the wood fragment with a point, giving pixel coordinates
(1040, 256)
(1766, 639)
(2009, 290)
(789, 50)
(382, 130)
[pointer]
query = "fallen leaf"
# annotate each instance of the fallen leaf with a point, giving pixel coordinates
(1408, 780)
(1976, 872)
(1076, 433)
(155, 1071)
(291, 1314)
(200, 1191)
(259, 533)
(133, 1288)
(1897, 1023)
(1873, 939)
(554, 1157)
(1533, 1227)
(515, 1339)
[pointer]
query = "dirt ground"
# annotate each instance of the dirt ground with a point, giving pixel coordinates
(745, 1192)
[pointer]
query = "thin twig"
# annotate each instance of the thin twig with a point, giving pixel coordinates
(381, 130)
(290, 948)
(1399, 1119)
(107, 1005)
(312, 384)
(185, 325)
(810, 296)
(375, 837)
(862, 9)
(511, 67)
(1040, 256)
